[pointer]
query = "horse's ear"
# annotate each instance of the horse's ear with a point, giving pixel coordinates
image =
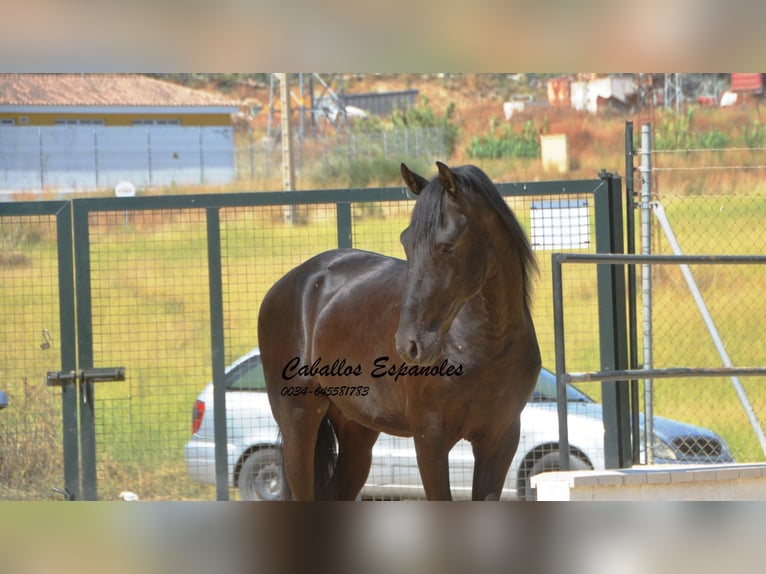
(415, 182)
(447, 179)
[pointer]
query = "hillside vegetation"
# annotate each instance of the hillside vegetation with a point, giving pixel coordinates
(471, 108)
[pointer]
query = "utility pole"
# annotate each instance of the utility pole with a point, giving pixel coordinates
(288, 166)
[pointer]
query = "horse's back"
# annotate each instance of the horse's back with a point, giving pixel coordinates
(343, 280)
(309, 286)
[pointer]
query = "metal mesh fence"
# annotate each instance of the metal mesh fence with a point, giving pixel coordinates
(149, 294)
(337, 150)
(30, 426)
(150, 313)
(712, 202)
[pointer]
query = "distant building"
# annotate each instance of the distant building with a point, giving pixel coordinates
(600, 93)
(748, 83)
(559, 94)
(90, 131)
(592, 94)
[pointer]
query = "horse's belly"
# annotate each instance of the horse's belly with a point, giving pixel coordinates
(374, 412)
(355, 386)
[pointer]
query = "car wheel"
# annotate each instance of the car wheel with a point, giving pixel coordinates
(549, 463)
(260, 477)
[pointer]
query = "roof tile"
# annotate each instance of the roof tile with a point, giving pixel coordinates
(100, 90)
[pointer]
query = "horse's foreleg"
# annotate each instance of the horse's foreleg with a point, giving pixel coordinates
(433, 462)
(492, 459)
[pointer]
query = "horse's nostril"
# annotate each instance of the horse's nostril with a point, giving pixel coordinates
(413, 350)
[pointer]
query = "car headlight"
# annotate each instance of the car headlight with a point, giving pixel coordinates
(662, 450)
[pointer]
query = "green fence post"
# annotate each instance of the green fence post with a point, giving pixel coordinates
(613, 330)
(217, 351)
(84, 324)
(343, 210)
(68, 338)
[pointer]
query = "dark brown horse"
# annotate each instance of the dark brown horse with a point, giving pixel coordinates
(440, 347)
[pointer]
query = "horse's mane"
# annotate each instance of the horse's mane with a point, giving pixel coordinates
(479, 189)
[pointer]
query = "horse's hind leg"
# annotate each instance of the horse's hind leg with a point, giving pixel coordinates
(355, 444)
(299, 426)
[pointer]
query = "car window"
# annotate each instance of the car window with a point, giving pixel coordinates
(247, 376)
(545, 390)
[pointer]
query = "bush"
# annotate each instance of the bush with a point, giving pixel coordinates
(29, 428)
(506, 143)
(423, 116)
(676, 131)
(753, 135)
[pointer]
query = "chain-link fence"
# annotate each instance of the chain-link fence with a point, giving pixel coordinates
(67, 158)
(710, 201)
(328, 152)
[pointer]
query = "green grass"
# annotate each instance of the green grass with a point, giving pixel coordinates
(150, 315)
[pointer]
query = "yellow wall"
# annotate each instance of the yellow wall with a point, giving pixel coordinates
(121, 119)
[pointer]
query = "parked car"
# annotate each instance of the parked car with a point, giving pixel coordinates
(3, 400)
(253, 447)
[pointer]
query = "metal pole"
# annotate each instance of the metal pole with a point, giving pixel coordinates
(560, 352)
(646, 284)
(271, 107)
(42, 158)
(302, 107)
(630, 222)
(217, 343)
(68, 338)
(201, 157)
(612, 319)
(149, 154)
(288, 167)
(659, 211)
(95, 153)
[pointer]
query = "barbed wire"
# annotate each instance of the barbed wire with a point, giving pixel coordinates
(711, 168)
(700, 150)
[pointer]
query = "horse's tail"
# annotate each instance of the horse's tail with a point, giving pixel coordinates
(325, 461)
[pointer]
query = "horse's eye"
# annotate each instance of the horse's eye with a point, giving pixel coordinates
(447, 247)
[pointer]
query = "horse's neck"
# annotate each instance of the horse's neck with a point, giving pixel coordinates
(503, 293)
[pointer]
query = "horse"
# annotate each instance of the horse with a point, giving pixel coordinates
(440, 347)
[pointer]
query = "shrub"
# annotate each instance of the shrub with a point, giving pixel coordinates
(29, 427)
(505, 143)
(423, 116)
(753, 134)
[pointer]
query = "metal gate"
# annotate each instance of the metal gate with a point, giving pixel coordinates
(157, 294)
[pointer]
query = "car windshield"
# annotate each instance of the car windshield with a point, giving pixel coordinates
(246, 376)
(545, 391)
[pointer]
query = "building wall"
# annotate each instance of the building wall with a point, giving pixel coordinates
(87, 157)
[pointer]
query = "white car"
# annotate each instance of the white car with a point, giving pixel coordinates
(254, 458)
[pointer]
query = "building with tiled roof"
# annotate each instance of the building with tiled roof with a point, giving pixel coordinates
(108, 95)
(89, 131)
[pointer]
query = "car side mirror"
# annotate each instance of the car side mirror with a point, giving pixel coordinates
(3, 400)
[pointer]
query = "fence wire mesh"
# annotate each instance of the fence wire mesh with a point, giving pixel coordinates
(149, 295)
(150, 313)
(715, 204)
(30, 426)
